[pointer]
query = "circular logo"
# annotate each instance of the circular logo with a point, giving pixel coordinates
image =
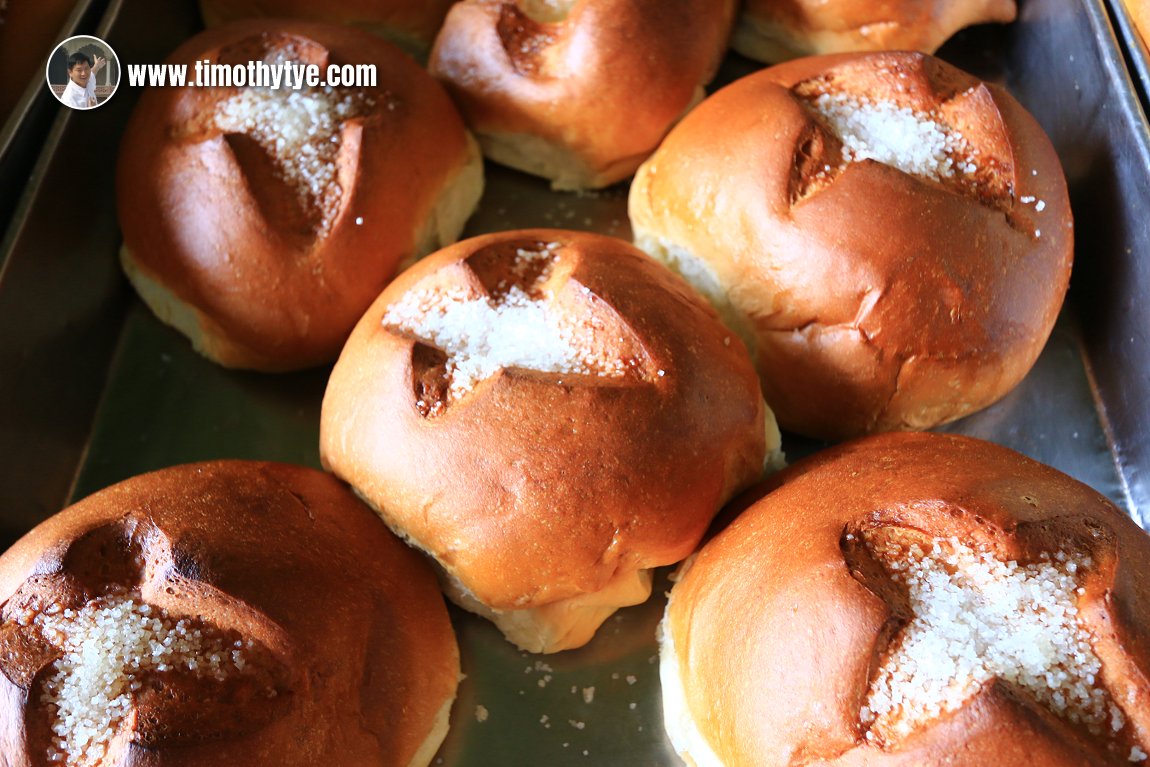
(83, 72)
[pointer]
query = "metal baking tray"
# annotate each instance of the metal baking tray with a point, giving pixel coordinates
(93, 389)
(1134, 45)
(22, 131)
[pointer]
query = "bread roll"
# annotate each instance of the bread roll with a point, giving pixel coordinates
(777, 30)
(261, 222)
(220, 613)
(914, 599)
(549, 415)
(410, 24)
(891, 236)
(578, 91)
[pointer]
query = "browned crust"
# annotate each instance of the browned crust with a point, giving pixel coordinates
(403, 20)
(781, 634)
(774, 30)
(875, 300)
(604, 85)
(270, 293)
(534, 489)
(354, 634)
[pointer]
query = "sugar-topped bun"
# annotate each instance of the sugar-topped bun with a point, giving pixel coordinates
(890, 235)
(776, 30)
(411, 24)
(578, 91)
(914, 599)
(262, 222)
(219, 613)
(549, 415)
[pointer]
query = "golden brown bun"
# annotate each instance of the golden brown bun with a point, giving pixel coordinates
(784, 620)
(776, 30)
(353, 659)
(578, 91)
(27, 35)
(535, 487)
(872, 299)
(223, 245)
(412, 24)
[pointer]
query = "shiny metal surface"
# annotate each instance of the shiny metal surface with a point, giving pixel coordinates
(1064, 64)
(22, 132)
(1133, 45)
(93, 389)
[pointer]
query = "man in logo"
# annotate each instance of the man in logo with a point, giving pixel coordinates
(81, 90)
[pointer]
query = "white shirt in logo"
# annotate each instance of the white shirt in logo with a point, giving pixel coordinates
(80, 98)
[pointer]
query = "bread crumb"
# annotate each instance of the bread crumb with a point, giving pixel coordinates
(481, 713)
(588, 694)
